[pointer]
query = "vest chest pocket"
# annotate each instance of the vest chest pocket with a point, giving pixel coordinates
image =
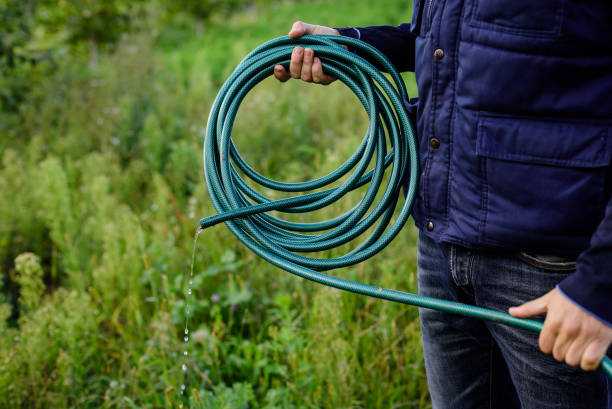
(530, 18)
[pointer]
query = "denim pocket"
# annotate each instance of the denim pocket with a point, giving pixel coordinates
(543, 180)
(547, 263)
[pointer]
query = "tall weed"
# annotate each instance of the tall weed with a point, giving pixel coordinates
(105, 190)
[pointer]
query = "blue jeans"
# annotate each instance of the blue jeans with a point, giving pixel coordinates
(476, 364)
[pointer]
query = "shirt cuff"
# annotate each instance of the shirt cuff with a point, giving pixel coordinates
(352, 32)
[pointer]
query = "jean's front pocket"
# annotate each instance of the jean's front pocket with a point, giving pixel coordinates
(543, 180)
(546, 262)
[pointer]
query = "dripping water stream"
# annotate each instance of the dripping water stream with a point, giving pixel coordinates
(188, 312)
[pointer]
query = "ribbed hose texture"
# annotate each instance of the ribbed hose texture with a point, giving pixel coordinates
(390, 143)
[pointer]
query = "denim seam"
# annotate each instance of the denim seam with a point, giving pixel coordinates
(484, 201)
(470, 268)
(452, 263)
(546, 265)
(468, 288)
(491, 373)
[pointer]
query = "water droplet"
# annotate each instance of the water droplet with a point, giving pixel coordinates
(180, 406)
(186, 331)
(183, 386)
(190, 282)
(185, 353)
(184, 368)
(189, 291)
(186, 339)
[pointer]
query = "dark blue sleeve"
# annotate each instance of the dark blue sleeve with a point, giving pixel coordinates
(396, 42)
(590, 287)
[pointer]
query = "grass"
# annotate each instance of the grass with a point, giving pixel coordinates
(102, 189)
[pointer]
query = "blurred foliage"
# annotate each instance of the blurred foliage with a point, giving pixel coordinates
(94, 21)
(16, 62)
(34, 31)
(102, 189)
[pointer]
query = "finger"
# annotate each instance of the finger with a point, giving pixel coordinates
(530, 308)
(318, 75)
(281, 73)
(593, 355)
(295, 67)
(574, 353)
(549, 333)
(565, 338)
(307, 65)
(300, 28)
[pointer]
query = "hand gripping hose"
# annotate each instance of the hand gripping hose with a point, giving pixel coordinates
(280, 241)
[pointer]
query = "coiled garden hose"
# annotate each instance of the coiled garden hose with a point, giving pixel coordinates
(279, 241)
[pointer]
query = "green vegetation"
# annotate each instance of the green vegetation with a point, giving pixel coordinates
(101, 191)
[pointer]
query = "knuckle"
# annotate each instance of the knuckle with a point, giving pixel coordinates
(553, 324)
(554, 321)
(572, 328)
(545, 346)
(587, 365)
(558, 354)
(589, 362)
(593, 354)
(572, 360)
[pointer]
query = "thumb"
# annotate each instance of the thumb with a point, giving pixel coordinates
(299, 29)
(531, 308)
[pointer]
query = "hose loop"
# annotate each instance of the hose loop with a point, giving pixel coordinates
(389, 142)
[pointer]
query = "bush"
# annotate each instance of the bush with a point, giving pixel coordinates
(102, 190)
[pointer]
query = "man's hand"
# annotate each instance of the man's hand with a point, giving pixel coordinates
(304, 64)
(571, 334)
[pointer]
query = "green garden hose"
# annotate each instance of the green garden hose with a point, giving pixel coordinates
(389, 143)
